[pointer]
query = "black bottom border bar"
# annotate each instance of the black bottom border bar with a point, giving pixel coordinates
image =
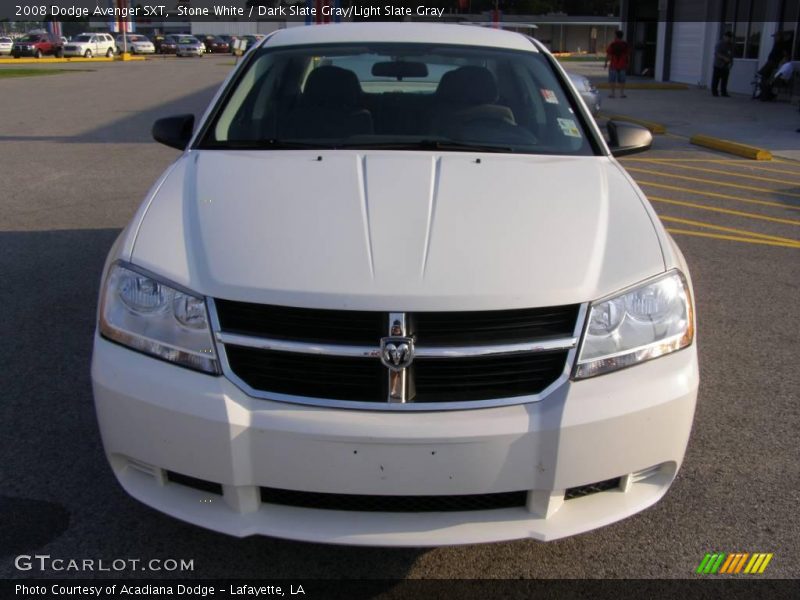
(729, 588)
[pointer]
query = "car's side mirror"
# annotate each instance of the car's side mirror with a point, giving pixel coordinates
(174, 132)
(627, 138)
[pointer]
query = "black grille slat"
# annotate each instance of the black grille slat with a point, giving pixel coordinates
(592, 488)
(316, 376)
(301, 324)
(406, 504)
(194, 483)
(493, 327)
(479, 378)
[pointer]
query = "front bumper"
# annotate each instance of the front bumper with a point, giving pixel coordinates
(76, 51)
(18, 52)
(155, 417)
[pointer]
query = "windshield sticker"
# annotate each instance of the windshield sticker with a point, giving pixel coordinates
(569, 128)
(549, 96)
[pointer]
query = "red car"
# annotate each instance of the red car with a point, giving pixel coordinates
(38, 45)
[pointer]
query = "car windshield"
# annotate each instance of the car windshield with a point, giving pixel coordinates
(399, 96)
(31, 38)
(188, 40)
(137, 38)
(82, 38)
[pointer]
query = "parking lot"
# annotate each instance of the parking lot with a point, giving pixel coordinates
(77, 160)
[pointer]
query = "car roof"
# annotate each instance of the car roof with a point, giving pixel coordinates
(402, 33)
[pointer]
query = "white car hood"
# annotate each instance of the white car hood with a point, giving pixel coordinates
(397, 230)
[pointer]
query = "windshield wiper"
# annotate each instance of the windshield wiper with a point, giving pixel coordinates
(271, 144)
(425, 144)
(430, 144)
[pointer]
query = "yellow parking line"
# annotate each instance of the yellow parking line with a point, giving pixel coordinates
(722, 161)
(628, 158)
(760, 168)
(732, 174)
(726, 211)
(744, 232)
(732, 238)
(723, 196)
(714, 182)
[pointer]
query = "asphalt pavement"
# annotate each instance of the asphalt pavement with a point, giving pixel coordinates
(77, 159)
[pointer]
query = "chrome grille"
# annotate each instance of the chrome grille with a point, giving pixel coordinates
(395, 361)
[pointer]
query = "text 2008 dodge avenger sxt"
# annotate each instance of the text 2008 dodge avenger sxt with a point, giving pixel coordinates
(396, 291)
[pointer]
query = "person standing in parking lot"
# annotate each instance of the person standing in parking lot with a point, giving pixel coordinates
(723, 59)
(617, 57)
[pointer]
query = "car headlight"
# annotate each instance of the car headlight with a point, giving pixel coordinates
(146, 314)
(645, 322)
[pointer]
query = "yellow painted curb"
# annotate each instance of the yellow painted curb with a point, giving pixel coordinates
(652, 126)
(53, 60)
(729, 147)
(647, 86)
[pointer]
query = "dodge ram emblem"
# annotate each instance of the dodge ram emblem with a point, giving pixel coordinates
(397, 353)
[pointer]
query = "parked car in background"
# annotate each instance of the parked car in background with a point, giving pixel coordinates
(397, 290)
(167, 44)
(214, 44)
(157, 40)
(228, 39)
(587, 90)
(137, 44)
(89, 45)
(6, 44)
(190, 46)
(38, 45)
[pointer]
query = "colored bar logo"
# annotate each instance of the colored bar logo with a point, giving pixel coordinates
(734, 563)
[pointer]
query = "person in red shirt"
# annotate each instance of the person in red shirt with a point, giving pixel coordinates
(617, 57)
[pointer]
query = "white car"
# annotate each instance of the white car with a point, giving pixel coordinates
(396, 291)
(588, 91)
(90, 45)
(6, 44)
(136, 44)
(190, 46)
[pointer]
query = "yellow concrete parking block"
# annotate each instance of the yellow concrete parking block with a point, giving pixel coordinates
(745, 150)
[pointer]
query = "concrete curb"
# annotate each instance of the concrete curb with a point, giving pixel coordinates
(647, 86)
(651, 125)
(751, 152)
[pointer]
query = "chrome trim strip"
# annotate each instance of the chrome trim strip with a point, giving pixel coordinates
(520, 348)
(380, 404)
(375, 351)
(398, 380)
(298, 347)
